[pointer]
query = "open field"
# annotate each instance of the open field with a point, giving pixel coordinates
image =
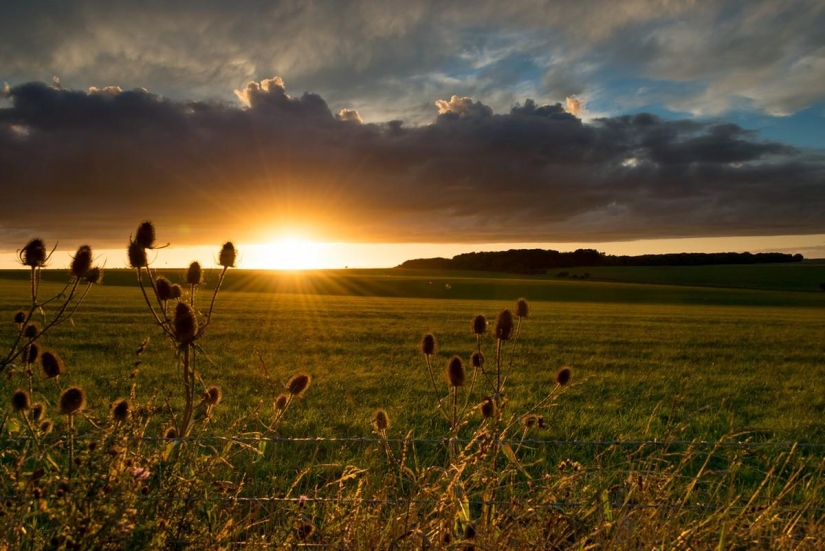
(666, 365)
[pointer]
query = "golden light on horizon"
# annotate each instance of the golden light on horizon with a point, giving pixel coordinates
(286, 253)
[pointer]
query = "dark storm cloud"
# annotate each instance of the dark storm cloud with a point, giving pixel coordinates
(89, 166)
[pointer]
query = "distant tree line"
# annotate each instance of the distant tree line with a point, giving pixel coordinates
(539, 261)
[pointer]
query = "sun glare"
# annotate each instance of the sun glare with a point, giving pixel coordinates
(288, 253)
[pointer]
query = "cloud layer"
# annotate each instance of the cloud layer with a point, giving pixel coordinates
(91, 165)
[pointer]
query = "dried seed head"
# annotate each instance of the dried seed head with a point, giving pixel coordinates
(455, 372)
(94, 275)
(428, 344)
(213, 395)
(529, 421)
(72, 400)
(298, 384)
(563, 376)
(81, 262)
(522, 308)
(304, 529)
(164, 288)
(31, 331)
(228, 255)
(121, 410)
(171, 433)
(34, 254)
(186, 323)
(479, 325)
(46, 426)
(488, 408)
(477, 360)
(280, 402)
(19, 317)
(137, 255)
(504, 325)
(194, 275)
(145, 236)
(175, 291)
(52, 365)
(33, 353)
(20, 400)
(38, 412)
(380, 421)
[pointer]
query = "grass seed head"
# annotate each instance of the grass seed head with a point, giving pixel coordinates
(298, 384)
(137, 255)
(194, 275)
(380, 420)
(72, 400)
(479, 325)
(38, 412)
(186, 323)
(281, 401)
(504, 325)
(455, 372)
(121, 410)
(563, 376)
(33, 353)
(145, 236)
(52, 365)
(228, 255)
(488, 408)
(81, 262)
(428, 344)
(19, 317)
(213, 395)
(34, 254)
(164, 288)
(21, 400)
(522, 308)
(94, 275)
(477, 360)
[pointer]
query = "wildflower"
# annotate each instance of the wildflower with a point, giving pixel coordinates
(488, 407)
(213, 395)
(137, 255)
(121, 410)
(140, 473)
(94, 275)
(164, 288)
(19, 317)
(477, 359)
(280, 402)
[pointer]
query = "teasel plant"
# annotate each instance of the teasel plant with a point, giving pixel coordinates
(178, 318)
(83, 275)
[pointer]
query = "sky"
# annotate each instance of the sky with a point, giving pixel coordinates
(364, 133)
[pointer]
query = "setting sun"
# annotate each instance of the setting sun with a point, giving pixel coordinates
(287, 253)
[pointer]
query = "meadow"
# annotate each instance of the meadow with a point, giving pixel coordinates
(660, 374)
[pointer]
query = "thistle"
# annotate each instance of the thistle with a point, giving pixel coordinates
(19, 317)
(563, 376)
(213, 395)
(164, 288)
(477, 359)
(94, 275)
(488, 408)
(33, 353)
(38, 411)
(281, 401)
(31, 331)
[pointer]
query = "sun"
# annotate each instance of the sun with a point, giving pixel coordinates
(286, 253)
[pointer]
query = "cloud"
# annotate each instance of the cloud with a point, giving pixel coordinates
(88, 166)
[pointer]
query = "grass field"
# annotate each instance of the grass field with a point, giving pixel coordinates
(650, 363)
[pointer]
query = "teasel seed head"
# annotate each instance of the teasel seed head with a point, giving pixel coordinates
(175, 291)
(52, 365)
(477, 359)
(522, 308)
(19, 317)
(455, 372)
(33, 353)
(145, 236)
(228, 255)
(280, 402)
(46, 426)
(529, 421)
(213, 395)
(121, 410)
(563, 376)
(95, 275)
(479, 325)
(380, 421)
(31, 331)
(488, 407)
(428, 344)
(164, 288)
(34, 254)
(38, 412)
(186, 323)
(81, 262)
(304, 529)
(504, 325)
(194, 275)
(298, 384)
(21, 400)
(137, 255)
(170, 433)
(72, 400)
